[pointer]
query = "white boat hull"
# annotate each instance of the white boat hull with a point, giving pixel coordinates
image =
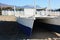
(26, 24)
(54, 21)
(52, 24)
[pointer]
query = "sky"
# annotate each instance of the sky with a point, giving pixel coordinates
(54, 4)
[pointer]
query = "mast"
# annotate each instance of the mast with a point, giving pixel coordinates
(35, 6)
(48, 5)
(14, 8)
(48, 8)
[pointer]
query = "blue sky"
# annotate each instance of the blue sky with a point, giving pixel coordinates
(55, 4)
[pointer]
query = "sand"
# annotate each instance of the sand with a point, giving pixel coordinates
(7, 18)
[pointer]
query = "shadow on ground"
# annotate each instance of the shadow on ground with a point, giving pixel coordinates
(11, 31)
(41, 31)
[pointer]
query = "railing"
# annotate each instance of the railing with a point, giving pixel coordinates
(48, 13)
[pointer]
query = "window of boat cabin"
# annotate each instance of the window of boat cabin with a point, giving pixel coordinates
(20, 9)
(40, 9)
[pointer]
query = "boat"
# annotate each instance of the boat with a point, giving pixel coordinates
(52, 24)
(26, 19)
(27, 16)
